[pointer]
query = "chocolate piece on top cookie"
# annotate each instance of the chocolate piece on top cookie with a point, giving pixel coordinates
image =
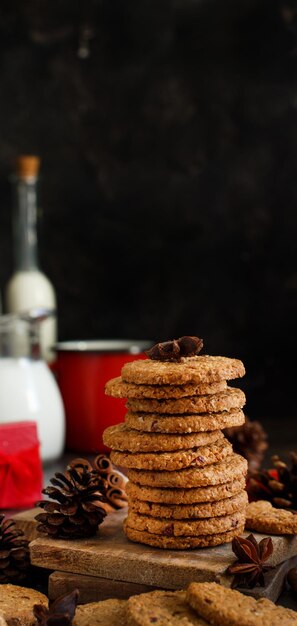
(176, 349)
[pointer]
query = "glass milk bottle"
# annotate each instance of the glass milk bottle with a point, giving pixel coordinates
(29, 287)
(28, 389)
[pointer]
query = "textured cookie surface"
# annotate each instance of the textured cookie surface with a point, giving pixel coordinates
(156, 422)
(199, 457)
(180, 543)
(180, 496)
(106, 613)
(185, 511)
(185, 528)
(195, 369)
(2, 621)
(262, 516)
(16, 604)
(222, 606)
(193, 476)
(117, 388)
(121, 437)
(163, 608)
(224, 401)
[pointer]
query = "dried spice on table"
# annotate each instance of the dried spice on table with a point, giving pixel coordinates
(14, 553)
(249, 569)
(60, 613)
(277, 485)
(113, 482)
(176, 349)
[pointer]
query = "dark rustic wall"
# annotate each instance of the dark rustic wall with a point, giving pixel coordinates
(169, 187)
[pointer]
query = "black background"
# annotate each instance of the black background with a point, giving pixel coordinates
(169, 171)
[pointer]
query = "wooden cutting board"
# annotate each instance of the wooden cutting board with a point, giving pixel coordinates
(110, 555)
(93, 589)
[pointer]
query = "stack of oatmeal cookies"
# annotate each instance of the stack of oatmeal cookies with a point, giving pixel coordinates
(186, 486)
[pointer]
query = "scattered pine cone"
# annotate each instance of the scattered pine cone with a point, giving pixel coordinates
(14, 553)
(249, 440)
(78, 506)
(277, 485)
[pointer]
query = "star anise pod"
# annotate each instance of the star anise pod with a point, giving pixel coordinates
(60, 613)
(176, 349)
(277, 485)
(249, 569)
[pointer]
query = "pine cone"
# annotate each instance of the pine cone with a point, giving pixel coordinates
(277, 485)
(79, 504)
(249, 440)
(14, 553)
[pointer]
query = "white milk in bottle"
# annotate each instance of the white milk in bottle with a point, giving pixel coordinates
(29, 287)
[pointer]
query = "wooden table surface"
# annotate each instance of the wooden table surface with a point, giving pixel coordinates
(281, 434)
(280, 443)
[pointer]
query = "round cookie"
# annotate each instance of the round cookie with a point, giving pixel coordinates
(156, 422)
(106, 613)
(215, 474)
(16, 604)
(171, 461)
(214, 403)
(117, 388)
(181, 543)
(264, 518)
(120, 437)
(183, 497)
(161, 607)
(190, 511)
(194, 369)
(222, 606)
(185, 528)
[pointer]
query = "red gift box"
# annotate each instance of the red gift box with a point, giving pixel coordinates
(20, 465)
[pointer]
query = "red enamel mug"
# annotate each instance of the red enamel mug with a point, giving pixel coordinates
(82, 369)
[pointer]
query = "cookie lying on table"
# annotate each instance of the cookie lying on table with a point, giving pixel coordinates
(221, 606)
(106, 613)
(264, 518)
(16, 604)
(161, 608)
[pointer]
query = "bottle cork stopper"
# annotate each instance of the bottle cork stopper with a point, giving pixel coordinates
(27, 166)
